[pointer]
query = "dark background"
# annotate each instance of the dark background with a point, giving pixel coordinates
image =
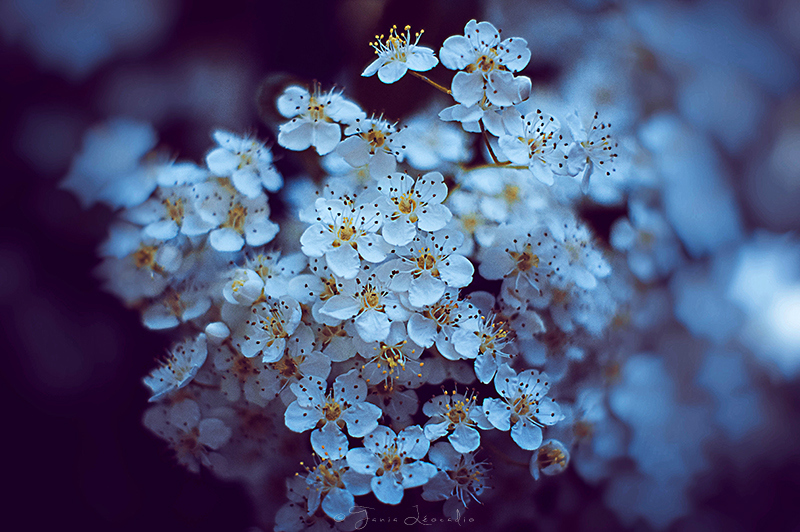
(76, 454)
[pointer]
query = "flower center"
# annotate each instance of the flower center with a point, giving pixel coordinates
(328, 333)
(330, 289)
(346, 231)
(426, 261)
(236, 217)
(525, 260)
(511, 194)
(406, 204)
(390, 462)
(371, 298)
(551, 456)
(332, 410)
(330, 476)
(145, 257)
(375, 137)
(174, 209)
(521, 405)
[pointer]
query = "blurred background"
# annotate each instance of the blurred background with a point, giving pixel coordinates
(728, 72)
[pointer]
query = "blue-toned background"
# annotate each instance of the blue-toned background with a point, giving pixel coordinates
(77, 454)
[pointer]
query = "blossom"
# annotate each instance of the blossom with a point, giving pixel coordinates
(647, 240)
(532, 258)
(393, 461)
(374, 142)
(345, 230)
(247, 162)
(267, 327)
(315, 118)
(333, 484)
(438, 322)
(532, 140)
(428, 264)
(485, 64)
(460, 478)
(179, 369)
(169, 214)
(387, 360)
(591, 150)
(549, 459)
(414, 203)
(522, 406)
(458, 416)
(237, 219)
(398, 55)
(370, 303)
(111, 165)
(327, 413)
(193, 436)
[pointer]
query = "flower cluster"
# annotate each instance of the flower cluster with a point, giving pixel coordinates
(402, 268)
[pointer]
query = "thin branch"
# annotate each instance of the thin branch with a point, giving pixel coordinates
(428, 80)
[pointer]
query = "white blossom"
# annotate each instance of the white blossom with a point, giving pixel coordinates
(522, 406)
(247, 162)
(394, 461)
(315, 118)
(179, 368)
(397, 55)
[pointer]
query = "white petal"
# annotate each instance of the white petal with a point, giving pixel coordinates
(467, 88)
(527, 435)
(226, 239)
(373, 326)
(392, 71)
(329, 442)
(222, 162)
(343, 261)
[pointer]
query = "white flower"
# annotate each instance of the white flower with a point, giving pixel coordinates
(585, 264)
(532, 140)
(432, 144)
(386, 360)
(193, 438)
(428, 265)
(550, 459)
(591, 149)
(333, 483)
(267, 327)
(110, 167)
(374, 142)
(486, 64)
(275, 270)
(315, 119)
(237, 219)
(246, 161)
(179, 369)
(345, 230)
(169, 213)
(647, 240)
(137, 267)
(393, 461)
(437, 323)
(531, 258)
(494, 345)
(459, 479)
(369, 302)
(523, 406)
(238, 375)
(327, 413)
(177, 304)
(458, 416)
(413, 204)
(398, 55)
